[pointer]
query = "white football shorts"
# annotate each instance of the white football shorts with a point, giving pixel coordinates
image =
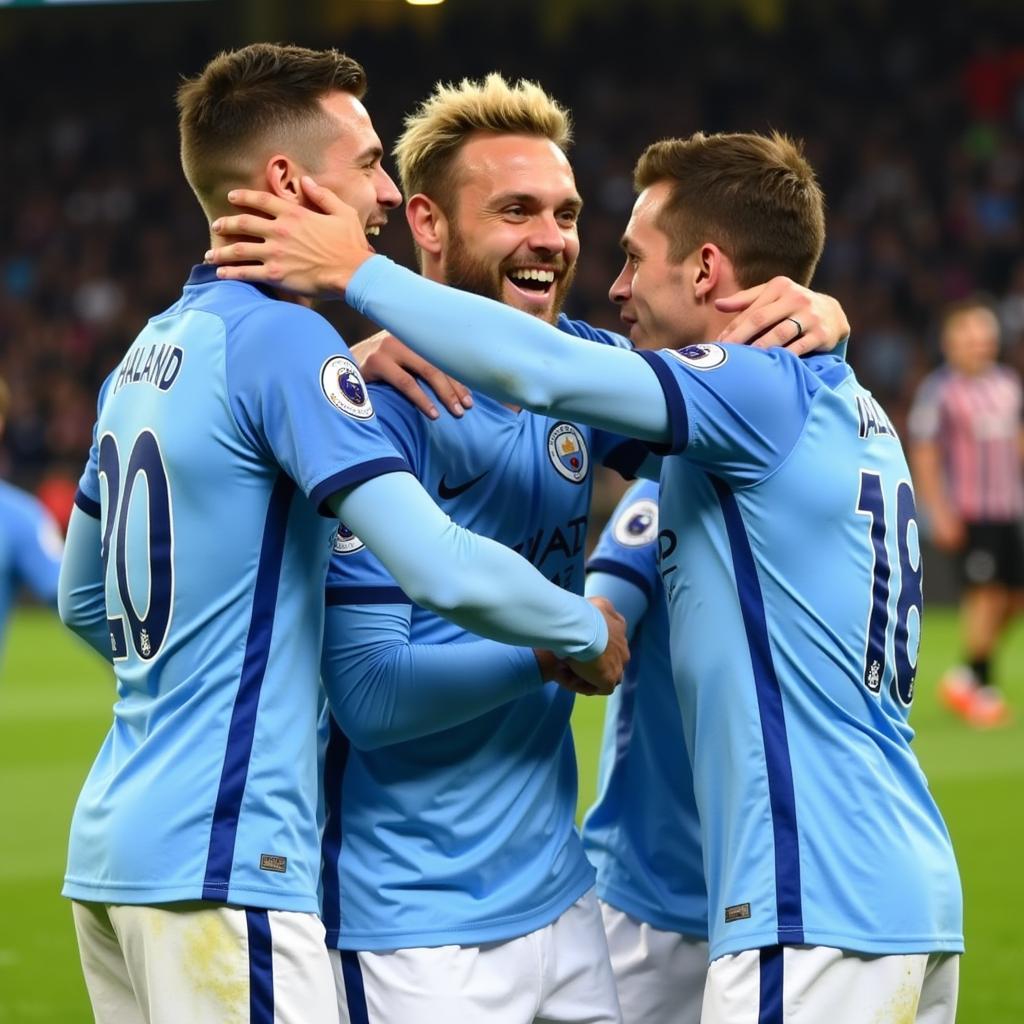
(204, 963)
(821, 985)
(660, 975)
(558, 973)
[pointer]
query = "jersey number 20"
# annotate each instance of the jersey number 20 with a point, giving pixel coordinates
(872, 503)
(149, 629)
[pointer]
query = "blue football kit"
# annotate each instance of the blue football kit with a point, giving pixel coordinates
(30, 549)
(789, 554)
(451, 776)
(642, 834)
(233, 428)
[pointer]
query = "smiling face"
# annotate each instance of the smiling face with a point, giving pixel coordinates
(350, 166)
(654, 294)
(513, 235)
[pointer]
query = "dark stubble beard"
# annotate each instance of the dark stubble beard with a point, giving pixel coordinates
(464, 271)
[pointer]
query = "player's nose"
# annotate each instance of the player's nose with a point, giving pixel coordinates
(546, 235)
(620, 291)
(388, 194)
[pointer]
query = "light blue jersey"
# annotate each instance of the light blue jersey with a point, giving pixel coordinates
(789, 533)
(227, 423)
(30, 549)
(465, 835)
(790, 557)
(643, 834)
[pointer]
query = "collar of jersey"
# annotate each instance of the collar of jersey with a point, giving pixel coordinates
(206, 273)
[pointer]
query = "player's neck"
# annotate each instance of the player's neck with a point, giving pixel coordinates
(217, 240)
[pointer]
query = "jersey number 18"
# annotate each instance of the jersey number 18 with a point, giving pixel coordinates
(871, 503)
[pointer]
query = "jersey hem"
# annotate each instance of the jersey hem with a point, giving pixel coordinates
(501, 930)
(872, 946)
(143, 895)
(643, 912)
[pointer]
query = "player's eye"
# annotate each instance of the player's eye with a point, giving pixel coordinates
(569, 217)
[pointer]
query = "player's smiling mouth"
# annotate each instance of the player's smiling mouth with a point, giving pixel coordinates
(536, 282)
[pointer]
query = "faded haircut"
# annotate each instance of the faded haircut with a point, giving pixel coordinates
(247, 103)
(436, 131)
(754, 196)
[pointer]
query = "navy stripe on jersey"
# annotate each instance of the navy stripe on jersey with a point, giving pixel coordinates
(352, 476)
(679, 420)
(339, 594)
(355, 993)
(87, 505)
(773, 723)
(624, 572)
(626, 458)
(261, 967)
(770, 1007)
(243, 715)
(335, 760)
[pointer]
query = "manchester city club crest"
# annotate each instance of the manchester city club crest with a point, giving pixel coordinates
(706, 356)
(568, 452)
(344, 388)
(638, 524)
(345, 541)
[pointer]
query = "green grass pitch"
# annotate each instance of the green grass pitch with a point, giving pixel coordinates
(55, 700)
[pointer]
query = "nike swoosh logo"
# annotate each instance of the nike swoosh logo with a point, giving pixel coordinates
(445, 492)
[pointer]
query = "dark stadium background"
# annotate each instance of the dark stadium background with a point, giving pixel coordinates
(913, 114)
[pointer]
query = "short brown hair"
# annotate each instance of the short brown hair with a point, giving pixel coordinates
(755, 196)
(436, 131)
(262, 95)
(5, 400)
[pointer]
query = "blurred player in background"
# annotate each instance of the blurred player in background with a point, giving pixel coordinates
(643, 832)
(232, 434)
(966, 450)
(30, 541)
(788, 552)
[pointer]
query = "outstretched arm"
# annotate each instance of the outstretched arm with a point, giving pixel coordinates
(384, 689)
(477, 583)
(525, 361)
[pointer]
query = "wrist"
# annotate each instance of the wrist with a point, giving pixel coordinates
(341, 276)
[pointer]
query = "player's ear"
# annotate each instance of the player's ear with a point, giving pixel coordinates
(283, 177)
(427, 222)
(707, 270)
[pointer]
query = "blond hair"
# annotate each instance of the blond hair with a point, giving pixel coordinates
(436, 131)
(261, 95)
(755, 196)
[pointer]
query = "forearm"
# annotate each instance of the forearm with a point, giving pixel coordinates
(81, 600)
(630, 601)
(477, 583)
(512, 356)
(384, 689)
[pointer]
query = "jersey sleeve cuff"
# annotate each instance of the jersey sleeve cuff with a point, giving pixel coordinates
(623, 572)
(87, 505)
(352, 595)
(352, 476)
(679, 421)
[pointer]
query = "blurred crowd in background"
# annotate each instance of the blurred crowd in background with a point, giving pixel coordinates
(914, 118)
